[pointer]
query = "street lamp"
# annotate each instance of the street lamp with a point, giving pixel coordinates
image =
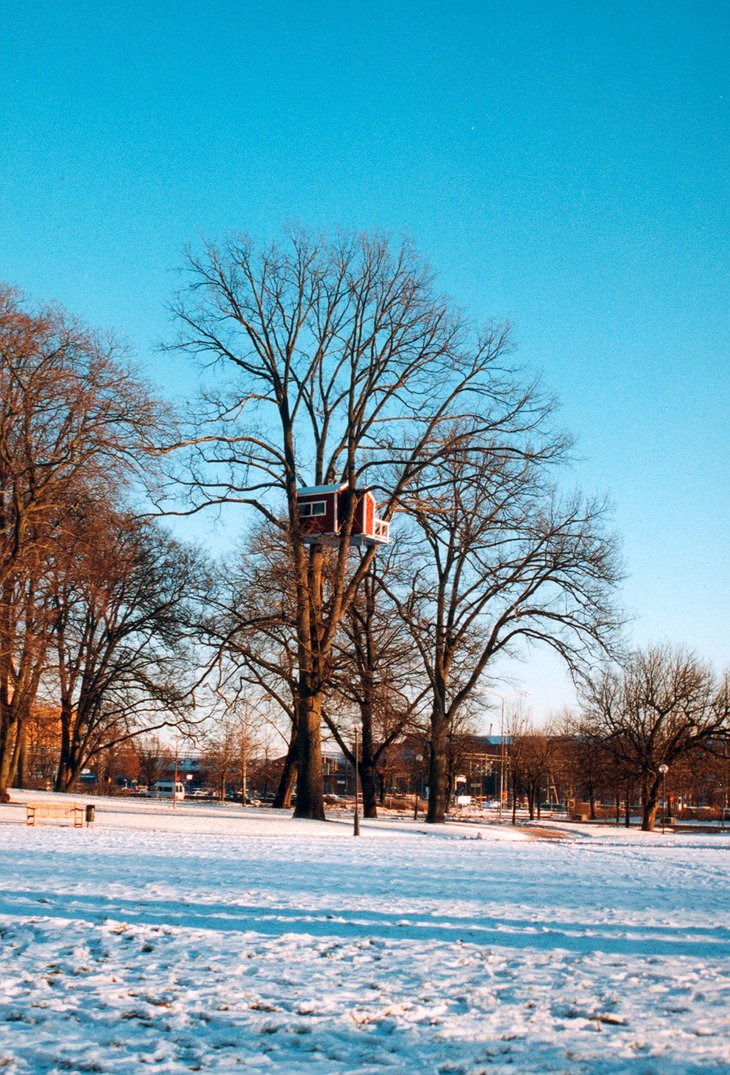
(664, 769)
(419, 759)
(356, 819)
(174, 781)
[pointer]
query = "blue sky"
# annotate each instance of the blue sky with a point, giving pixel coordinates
(563, 165)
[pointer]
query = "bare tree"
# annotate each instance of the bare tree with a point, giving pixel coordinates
(251, 630)
(71, 414)
(120, 592)
(376, 673)
(661, 706)
(155, 759)
(587, 761)
(343, 365)
(531, 755)
(499, 560)
(221, 756)
(228, 749)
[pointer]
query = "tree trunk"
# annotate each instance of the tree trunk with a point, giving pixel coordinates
(8, 720)
(649, 804)
(12, 734)
(65, 773)
(22, 773)
(627, 807)
(649, 813)
(7, 730)
(368, 786)
(367, 763)
(310, 782)
(288, 778)
(438, 767)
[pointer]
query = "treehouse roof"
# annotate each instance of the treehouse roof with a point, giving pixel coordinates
(313, 490)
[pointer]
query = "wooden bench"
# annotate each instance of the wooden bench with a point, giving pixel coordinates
(39, 811)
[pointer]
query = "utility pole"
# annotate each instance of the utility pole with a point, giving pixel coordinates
(419, 776)
(244, 764)
(356, 819)
(501, 754)
(502, 699)
(664, 769)
(174, 782)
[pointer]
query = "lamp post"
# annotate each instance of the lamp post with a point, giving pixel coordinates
(664, 769)
(419, 759)
(502, 699)
(174, 780)
(501, 756)
(356, 819)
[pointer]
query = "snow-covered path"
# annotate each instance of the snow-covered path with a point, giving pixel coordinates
(207, 940)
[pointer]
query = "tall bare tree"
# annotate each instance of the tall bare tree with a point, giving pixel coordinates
(499, 560)
(531, 754)
(585, 762)
(121, 617)
(72, 413)
(377, 674)
(251, 631)
(343, 364)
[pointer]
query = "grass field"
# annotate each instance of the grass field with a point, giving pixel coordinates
(215, 939)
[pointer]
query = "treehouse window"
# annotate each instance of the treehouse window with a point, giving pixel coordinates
(315, 507)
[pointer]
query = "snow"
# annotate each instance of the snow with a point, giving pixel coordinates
(215, 939)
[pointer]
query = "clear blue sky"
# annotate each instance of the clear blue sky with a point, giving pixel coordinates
(562, 164)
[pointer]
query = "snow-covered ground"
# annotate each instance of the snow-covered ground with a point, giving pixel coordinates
(213, 939)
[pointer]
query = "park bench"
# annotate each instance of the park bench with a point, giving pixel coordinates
(39, 811)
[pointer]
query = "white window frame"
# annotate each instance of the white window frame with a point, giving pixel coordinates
(307, 509)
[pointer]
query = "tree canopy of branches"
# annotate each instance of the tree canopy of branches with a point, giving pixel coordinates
(531, 755)
(376, 674)
(227, 751)
(120, 597)
(663, 705)
(72, 415)
(252, 626)
(251, 630)
(343, 365)
(586, 763)
(499, 559)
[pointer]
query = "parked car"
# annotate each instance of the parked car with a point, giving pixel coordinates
(167, 789)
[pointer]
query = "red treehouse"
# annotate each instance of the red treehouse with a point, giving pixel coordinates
(323, 510)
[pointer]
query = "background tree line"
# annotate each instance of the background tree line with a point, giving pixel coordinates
(94, 612)
(656, 720)
(323, 361)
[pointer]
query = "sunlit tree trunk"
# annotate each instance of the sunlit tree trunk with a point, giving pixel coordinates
(310, 778)
(288, 778)
(438, 764)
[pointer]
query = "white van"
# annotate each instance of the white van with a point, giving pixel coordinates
(168, 789)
